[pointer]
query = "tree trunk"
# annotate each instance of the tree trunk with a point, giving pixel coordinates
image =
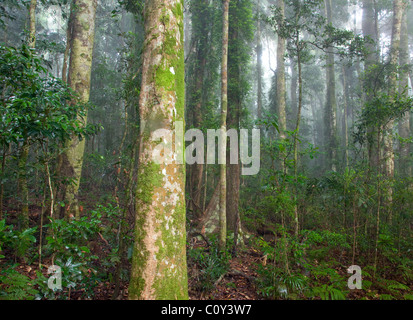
(370, 30)
(80, 68)
(23, 189)
(296, 146)
(259, 64)
(159, 270)
(224, 111)
(404, 124)
(201, 44)
(32, 31)
(281, 88)
(393, 86)
(233, 122)
(331, 104)
(293, 89)
(69, 32)
(346, 115)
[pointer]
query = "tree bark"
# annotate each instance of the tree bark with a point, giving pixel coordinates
(80, 68)
(293, 90)
(224, 111)
(388, 155)
(259, 64)
(159, 270)
(201, 44)
(404, 124)
(233, 122)
(370, 31)
(331, 104)
(32, 31)
(69, 32)
(346, 115)
(281, 88)
(23, 189)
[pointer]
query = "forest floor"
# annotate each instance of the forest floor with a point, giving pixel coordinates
(237, 283)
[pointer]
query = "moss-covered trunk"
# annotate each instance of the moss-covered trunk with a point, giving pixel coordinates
(80, 66)
(159, 270)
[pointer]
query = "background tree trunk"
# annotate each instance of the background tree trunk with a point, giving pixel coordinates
(259, 63)
(388, 155)
(331, 104)
(281, 87)
(404, 124)
(80, 67)
(224, 110)
(370, 31)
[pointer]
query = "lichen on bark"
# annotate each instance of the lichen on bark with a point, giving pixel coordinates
(159, 257)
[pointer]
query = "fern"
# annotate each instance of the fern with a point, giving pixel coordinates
(16, 286)
(326, 292)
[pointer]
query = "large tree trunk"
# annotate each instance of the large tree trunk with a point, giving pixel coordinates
(393, 87)
(80, 68)
(159, 270)
(224, 111)
(331, 104)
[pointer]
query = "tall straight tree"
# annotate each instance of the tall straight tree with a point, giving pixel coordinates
(200, 17)
(32, 32)
(404, 124)
(159, 270)
(388, 154)
(23, 189)
(239, 52)
(80, 67)
(259, 62)
(370, 32)
(223, 140)
(331, 104)
(281, 105)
